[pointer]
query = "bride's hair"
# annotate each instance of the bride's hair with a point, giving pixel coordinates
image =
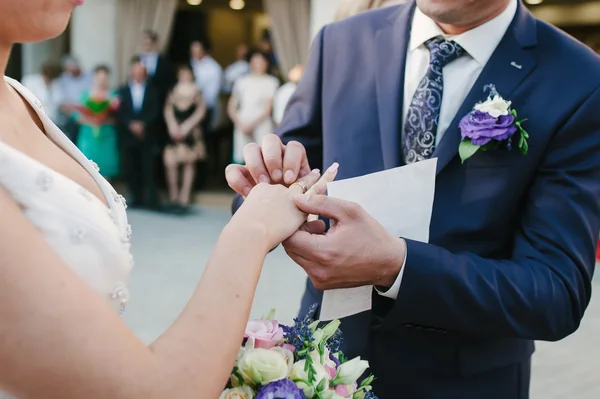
(348, 8)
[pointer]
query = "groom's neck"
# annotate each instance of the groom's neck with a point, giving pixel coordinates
(459, 16)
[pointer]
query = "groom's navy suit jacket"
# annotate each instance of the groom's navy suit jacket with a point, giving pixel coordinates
(512, 238)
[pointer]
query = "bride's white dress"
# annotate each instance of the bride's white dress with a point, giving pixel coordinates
(91, 238)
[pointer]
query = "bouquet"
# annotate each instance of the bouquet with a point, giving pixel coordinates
(298, 362)
(98, 110)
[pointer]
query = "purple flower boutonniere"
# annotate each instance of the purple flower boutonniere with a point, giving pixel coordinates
(491, 125)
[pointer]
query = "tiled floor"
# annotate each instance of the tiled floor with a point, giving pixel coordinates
(170, 257)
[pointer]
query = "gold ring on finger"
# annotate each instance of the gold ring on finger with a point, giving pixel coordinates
(302, 186)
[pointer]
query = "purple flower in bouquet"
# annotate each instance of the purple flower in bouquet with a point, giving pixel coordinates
(282, 389)
(489, 124)
(335, 360)
(481, 127)
(300, 332)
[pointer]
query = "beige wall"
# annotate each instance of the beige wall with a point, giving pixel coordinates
(322, 12)
(94, 34)
(35, 54)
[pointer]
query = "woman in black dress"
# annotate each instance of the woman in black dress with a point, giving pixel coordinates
(184, 110)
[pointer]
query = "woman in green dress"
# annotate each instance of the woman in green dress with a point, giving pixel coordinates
(97, 137)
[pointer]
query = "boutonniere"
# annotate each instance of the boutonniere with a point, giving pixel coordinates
(491, 125)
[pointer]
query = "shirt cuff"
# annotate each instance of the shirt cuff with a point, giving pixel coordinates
(392, 293)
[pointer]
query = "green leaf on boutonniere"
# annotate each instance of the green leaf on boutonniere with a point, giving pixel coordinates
(466, 150)
(523, 136)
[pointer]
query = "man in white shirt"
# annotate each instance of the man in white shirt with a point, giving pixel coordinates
(285, 92)
(45, 86)
(514, 227)
(158, 67)
(209, 78)
(239, 68)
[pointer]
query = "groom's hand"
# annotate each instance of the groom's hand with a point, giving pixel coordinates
(271, 162)
(356, 251)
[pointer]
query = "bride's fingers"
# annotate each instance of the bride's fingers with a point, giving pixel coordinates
(305, 182)
(320, 187)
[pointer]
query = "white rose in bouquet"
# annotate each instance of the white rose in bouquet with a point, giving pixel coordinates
(262, 366)
(238, 393)
(287, 355)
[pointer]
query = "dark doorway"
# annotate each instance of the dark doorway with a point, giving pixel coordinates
(189, 25)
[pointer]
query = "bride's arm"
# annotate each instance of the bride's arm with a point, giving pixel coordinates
(59, 339)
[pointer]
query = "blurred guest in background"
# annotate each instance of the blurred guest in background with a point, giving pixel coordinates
(251, 104)
(266, 46)
(209, 76)
(158, 67)
(284, 93)
(238, 69)
(139, 114)
(97, 137)
(209, 79)
(74, 83)
(46, 88)
(184, 110)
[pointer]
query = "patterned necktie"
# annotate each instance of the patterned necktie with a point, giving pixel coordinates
(423, 116)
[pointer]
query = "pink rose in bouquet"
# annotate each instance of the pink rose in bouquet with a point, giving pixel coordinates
(265, 333)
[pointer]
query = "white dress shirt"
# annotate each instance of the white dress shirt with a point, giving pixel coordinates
(150, 61)
(459, 75)
(209, 77)
(138, 91)
(280, 102)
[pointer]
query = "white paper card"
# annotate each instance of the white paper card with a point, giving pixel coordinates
(401, 199)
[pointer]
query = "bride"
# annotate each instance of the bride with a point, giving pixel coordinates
(64, 255)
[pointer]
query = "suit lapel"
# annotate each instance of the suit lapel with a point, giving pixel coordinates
(391, 45)
(145, 97)
(506, 69)
(129, 97)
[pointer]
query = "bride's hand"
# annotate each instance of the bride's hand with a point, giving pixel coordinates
(272, 207)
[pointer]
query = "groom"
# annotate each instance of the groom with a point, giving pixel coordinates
(512, 237)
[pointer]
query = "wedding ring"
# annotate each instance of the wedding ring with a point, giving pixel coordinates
(302, 186)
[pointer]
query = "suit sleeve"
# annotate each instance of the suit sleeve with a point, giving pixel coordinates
(302, 118)
(542, 291)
